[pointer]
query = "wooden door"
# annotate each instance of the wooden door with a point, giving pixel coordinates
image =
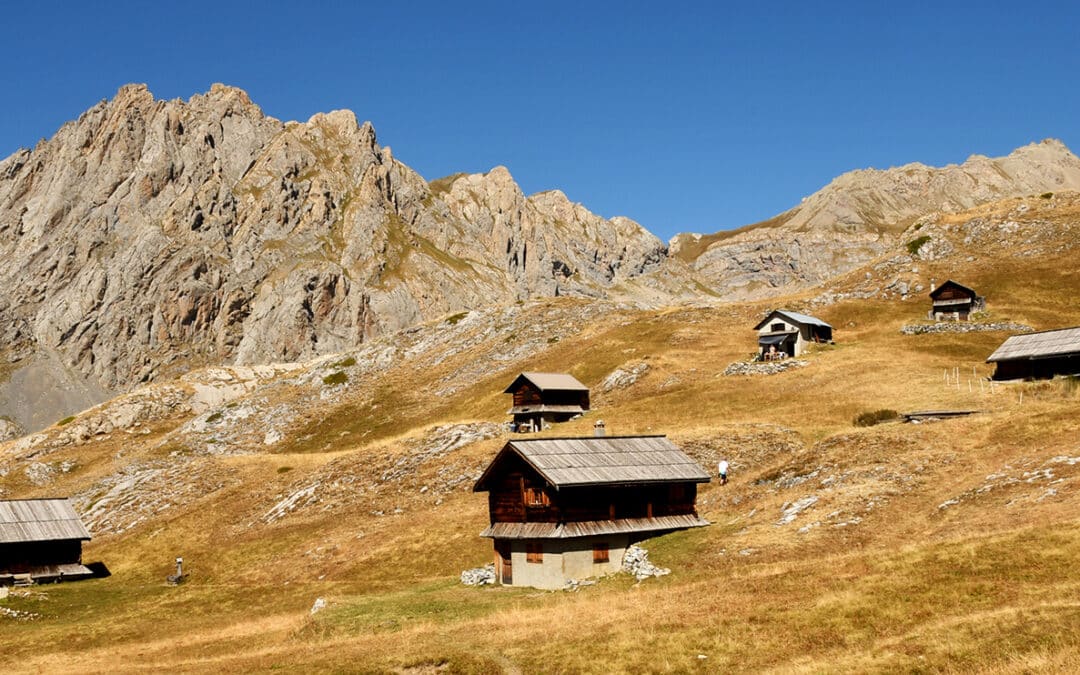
(503, 562)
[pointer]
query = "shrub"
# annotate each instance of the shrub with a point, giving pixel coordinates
(66, 420)
(869, 419)
(1047, 195)
(453, 320)
(284, 469)
(344, 363)
(336, 378)
(213, 418)
(915, 244)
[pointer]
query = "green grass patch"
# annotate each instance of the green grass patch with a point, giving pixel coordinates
(215, 417)
(347, 362)
(453, 320)
(67, 420)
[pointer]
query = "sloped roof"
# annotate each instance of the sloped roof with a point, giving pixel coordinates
(795, 317)
(549, 382)
(591, 528)
(1045, 344)
(24, 520)
(949, 282)
(600, 460)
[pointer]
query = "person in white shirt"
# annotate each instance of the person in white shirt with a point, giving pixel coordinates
(723, 467)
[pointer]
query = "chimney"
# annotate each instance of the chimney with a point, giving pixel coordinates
(179, 568)
(598, 429)
(931, 285)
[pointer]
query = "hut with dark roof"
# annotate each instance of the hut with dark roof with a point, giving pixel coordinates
(956, 302)
(1037, 356)
(785, 333)
(546, 398)
(568, 508)
(41, 539)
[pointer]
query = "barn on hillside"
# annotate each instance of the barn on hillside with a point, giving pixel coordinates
(1038, 356)
(955, 302)
(545, 398)
(783, 333)
(568, 508)
(41, 538)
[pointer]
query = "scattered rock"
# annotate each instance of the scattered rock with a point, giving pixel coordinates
(963, 327)
(479, 576)
(623, 377)
(763, 367)
(636, 562)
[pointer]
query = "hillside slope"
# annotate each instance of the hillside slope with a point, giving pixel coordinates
(943, 546)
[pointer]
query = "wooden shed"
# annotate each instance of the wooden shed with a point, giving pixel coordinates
(568, 508)
(954, 302)
(784, 333)
(1038, 355)
(41, 538)
(545, 398)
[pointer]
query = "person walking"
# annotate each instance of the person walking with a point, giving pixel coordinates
(723, 468)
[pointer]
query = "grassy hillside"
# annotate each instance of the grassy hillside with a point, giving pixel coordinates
(947, 546)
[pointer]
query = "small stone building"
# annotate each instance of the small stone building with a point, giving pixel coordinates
(565, 509)
(954, 302)
(783, 333)
(1038, 356)
(41, 539)
(541, 399)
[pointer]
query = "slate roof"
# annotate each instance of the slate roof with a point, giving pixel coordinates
(25, 520)
(1045, 344)
(795, 317)
(549, 382)
(590, 528)
(600, 460)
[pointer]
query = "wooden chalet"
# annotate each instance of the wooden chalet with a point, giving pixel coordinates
(783, 333)
(954, 302)
(542, 399)
(568, 508)
(41, 540)
(1038, 356)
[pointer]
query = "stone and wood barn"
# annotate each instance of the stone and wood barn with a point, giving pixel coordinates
(545, 398)
(954, 302)
(567, 508)
(789, 333)
(41, 540)
(1038, 356)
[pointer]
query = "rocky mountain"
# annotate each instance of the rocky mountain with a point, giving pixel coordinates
(860, 214)
(151, 236)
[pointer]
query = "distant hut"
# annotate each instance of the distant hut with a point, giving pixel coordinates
(41, 539)
(783, 333)
(568, 508)
(955, 302)
(546, 398)
(1038, 355)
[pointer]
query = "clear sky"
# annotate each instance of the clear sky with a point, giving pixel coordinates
(683, 116)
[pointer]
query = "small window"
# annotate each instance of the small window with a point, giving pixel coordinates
(777, 327)
(601, 552)
(536, 497)
(534, 552)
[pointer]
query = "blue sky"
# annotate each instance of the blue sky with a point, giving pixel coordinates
(683, 116)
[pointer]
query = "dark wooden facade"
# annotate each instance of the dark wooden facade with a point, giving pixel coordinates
(41, 539)
(953, 301)
(1038, 356)
(519, 494)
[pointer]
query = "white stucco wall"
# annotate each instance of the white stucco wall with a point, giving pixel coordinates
(800, 341)
(564, 560)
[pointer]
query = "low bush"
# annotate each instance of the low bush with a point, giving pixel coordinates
(336, 378)
(915, 244)
(869, 419)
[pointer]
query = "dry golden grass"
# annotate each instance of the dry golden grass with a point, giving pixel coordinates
(986, 584)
